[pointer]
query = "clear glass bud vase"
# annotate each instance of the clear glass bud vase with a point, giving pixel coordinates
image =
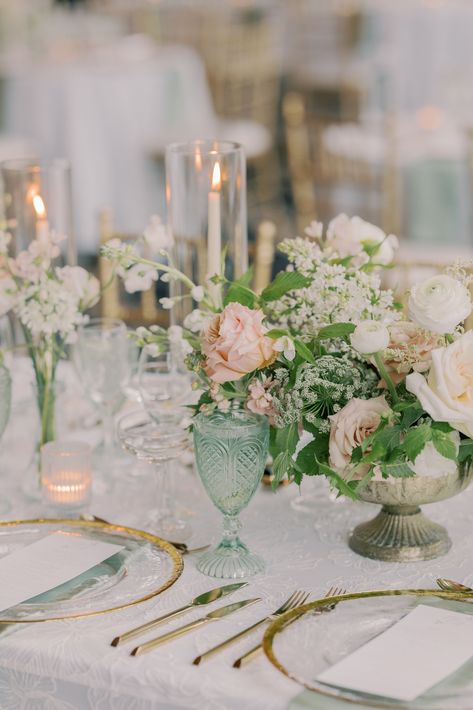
(231, 451)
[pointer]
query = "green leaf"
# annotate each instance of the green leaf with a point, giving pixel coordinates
(240, 294)
(411, 415)
(285, 281)
(389, 438)
(444, 445)
(282, 465)
(316, 449)
(336, 330)
(398, 470)
(304, 352)
(277, 333)
(466, 450)
(346, 488)
(442, 426)
(370, 247)
(246, 279)
(416, 439)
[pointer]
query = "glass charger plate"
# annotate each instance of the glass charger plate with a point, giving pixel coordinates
(315, 641)
(144, 568)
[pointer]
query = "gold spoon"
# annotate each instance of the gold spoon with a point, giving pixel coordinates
(180, 546)
(449, 585)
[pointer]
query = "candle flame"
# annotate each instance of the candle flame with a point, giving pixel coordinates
(38, 204)
(216, 177)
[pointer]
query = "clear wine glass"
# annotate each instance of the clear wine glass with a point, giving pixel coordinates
(158, 444)
(164, 384)
(102, 359)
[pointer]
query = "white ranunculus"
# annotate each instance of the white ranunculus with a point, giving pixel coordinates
(431, 463)
(349, 237)
(370, 336)
(439, 303)
(285, 345)
(140, 277)
(158, 235)
(447, 393)
(350, 426)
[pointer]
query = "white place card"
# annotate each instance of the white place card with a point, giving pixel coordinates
(47, 563)
(422, 649)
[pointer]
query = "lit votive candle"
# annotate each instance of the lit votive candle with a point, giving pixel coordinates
(66, 476)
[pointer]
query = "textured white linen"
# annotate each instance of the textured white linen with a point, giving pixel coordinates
(71, 665)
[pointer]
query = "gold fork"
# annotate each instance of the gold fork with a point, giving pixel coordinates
(294, 600)
(256, 650)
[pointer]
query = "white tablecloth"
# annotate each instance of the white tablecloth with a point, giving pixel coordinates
(109, 112)
(71, 666)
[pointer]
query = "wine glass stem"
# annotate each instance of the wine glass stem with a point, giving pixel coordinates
(108, 429)
(165, 492)
(231, 528)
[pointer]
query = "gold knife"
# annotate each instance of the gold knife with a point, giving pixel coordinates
(205, 598)
(212, 616)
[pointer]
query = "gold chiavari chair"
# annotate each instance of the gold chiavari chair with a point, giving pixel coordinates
(263, 255)
(316, 171)
(139, 309)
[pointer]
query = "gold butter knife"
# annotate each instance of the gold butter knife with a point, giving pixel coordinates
(212, 616)
(201, 600)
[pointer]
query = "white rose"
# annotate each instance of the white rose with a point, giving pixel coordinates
(439, 303)
(447, 393)
(431, 463)
(158, 235)
(140, 277)
(285, 345)
(348, 237)
(350, 426)
(370, 337)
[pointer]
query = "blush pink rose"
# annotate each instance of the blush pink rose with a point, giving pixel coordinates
(234, 344)
(410, 348)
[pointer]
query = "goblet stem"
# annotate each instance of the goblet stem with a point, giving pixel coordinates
(165, 487)
(108, 429)
(231, 528)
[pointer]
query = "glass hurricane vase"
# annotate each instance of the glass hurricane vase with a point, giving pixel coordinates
(231, 450)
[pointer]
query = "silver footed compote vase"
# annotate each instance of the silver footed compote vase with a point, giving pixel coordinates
(231, 450)
(401, 532)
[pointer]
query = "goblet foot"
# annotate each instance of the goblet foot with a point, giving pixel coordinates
(400, 534)
(230, 562)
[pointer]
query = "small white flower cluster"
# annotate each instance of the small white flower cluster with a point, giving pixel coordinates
(48, 301)
(320, 390)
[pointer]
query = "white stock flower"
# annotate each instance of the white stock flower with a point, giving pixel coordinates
(370, 337)
(195, 321)
(285, 345)
(447, 393)
(140, 277)
(198, 293)
(78, 281)
(167, 303)
(8, 291)
(314, 229)
(174, 333)
(158, 235)
(439, 303)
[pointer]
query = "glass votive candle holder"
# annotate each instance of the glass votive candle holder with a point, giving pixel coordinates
(66, 474)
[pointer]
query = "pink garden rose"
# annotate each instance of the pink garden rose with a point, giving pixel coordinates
(410, 348)
(234, 343)
(350, 426)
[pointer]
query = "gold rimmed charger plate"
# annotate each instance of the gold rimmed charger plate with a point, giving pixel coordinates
(145, 568)
(303, 649)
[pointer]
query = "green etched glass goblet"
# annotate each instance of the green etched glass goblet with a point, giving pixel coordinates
(231, 450)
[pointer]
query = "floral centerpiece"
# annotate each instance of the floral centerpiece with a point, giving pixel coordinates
(355, 386)
(49, 302)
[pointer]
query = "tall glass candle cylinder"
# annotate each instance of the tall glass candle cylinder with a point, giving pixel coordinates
(36, 199)
(206, 203)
